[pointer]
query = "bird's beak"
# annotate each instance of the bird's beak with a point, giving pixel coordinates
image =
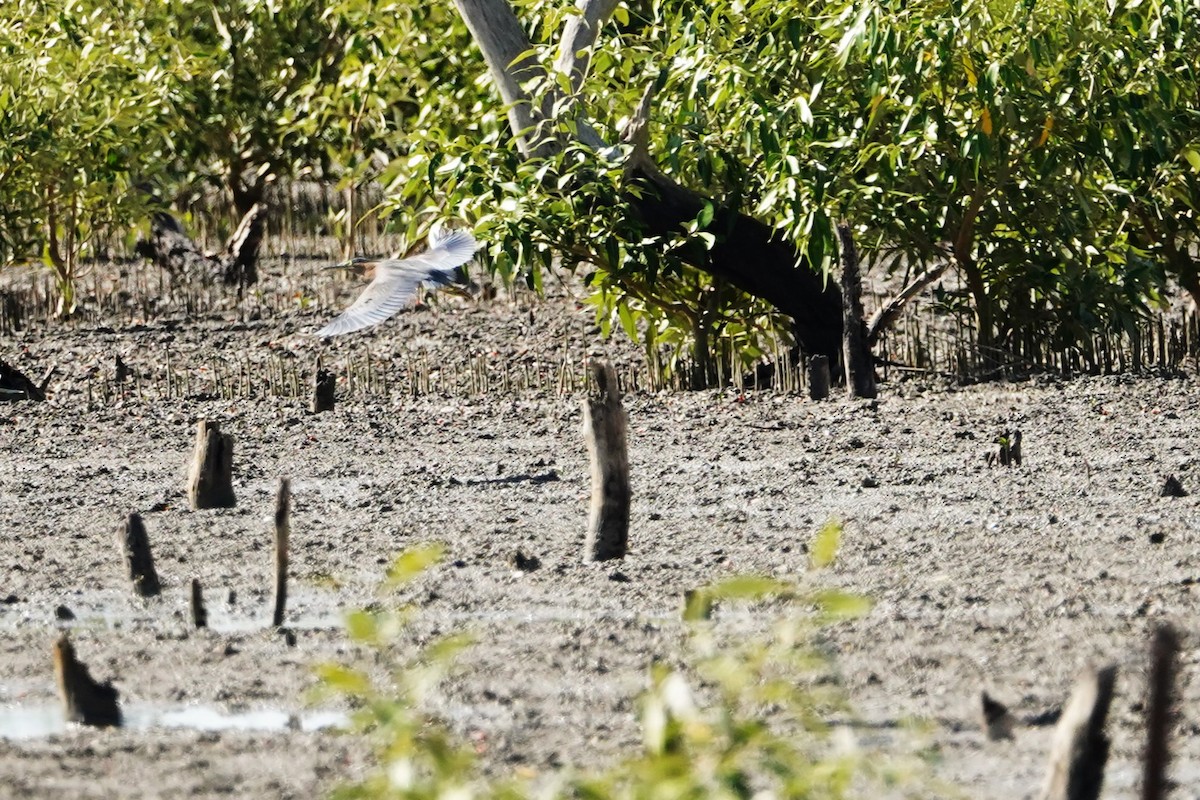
(343, 265)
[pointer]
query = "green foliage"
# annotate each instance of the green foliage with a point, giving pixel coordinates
(1051, 150)
(990, 133)
(83, 100)
(418, 759)
(1048, 149)
(825, 544)
(747, 716)
(245, 60)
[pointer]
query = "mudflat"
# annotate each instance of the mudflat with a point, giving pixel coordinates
(1006, 579)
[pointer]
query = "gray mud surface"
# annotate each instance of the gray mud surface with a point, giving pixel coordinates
(1009, 580)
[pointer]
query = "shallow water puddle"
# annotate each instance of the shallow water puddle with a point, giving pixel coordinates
(39, 721)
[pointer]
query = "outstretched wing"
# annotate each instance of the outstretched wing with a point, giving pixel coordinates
(396, 282)
(448, 250)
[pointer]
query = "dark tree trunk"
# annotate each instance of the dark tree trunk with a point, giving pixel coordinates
(748, 255)
(246, 196)
(858, 362)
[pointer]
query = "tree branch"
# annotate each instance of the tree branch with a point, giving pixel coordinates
(882, 319)
(506, 49)
(578, 36)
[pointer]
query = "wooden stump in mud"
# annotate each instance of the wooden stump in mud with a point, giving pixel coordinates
(135, 545)
(323, 389)
(283, 504)
(818, 377)
(996, 718)
(199, 612)
(1173, 487)
(210, 479)
(1080, 747)
(856, 352)
(1163, 656)
(604, 427)
(84, 700)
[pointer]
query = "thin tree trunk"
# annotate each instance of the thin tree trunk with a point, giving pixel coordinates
(506, 49)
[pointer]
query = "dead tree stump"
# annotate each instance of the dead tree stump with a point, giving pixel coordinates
(323, 389)
(135, 545)
(199, 612)
(210, 479)
(860, 365)
(173, 250)
(241, 251)
(1080, 747)
(84, 700)
(1172, 487)
(604, 428)
(283, 504)
(818, 377)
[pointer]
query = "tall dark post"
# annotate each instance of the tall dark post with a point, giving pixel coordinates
(604, 424)
(860, 365)
(283, 505)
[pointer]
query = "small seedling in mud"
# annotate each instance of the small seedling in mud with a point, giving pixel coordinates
(1010, 450)
(745, 715)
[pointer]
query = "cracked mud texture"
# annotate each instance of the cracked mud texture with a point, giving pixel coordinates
(1010, 580)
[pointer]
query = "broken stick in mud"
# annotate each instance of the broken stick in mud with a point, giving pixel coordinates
(324, 384)
(818, 377)
(604, 427)
(1163, 656)
(199, 612)
(283, 503)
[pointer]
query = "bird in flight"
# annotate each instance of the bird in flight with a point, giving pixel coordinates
(397, 279)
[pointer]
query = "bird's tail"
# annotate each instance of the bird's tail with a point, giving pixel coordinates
(445, 277)
(456, 246)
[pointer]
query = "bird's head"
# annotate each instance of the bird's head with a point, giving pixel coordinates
(358, 266)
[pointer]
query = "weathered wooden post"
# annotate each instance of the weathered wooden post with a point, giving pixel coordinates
(199, 612)
(323, 389)
(1158, 713)
(283, 502)
(1172, 487)
(860, 365)
(1080, 747)
(604, 427)
(135, 546)
(818, 377)
(84, 700)
(210, 478)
